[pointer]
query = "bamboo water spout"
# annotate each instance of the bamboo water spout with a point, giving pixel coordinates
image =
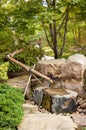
(27, 67)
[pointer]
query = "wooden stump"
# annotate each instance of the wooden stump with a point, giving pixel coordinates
(55, 100)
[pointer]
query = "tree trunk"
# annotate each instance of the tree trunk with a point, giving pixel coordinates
(55, 44)
(65, 32)
(53, 31)
(53, 35)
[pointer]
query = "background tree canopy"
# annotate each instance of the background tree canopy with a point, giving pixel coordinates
(60, 23)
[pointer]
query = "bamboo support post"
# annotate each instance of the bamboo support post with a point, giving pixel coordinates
(28, 83)
(38, 79)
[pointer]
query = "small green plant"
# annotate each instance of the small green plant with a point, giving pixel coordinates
(11, 111)
(29, 55)
(14, 67)
(3, 71)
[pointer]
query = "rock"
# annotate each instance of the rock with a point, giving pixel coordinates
(47, 122)
(78, 72)
(77, 87)
(38, 95)
(35, 120)
(79, 120)
(30, 109)
(70, 73)
(19, 82)
(49, 67)
(81, 105)
(55, 100)
(79, 58)
(47, 57)
(64, 104)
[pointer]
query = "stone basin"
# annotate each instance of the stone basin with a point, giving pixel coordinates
(55, 100)
(55, 91)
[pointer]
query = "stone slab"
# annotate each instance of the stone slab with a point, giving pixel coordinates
(19, 82)
(47, 122)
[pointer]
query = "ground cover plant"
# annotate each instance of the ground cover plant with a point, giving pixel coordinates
(11, 111)
(3, 71)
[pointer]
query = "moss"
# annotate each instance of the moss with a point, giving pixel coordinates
(46, 103)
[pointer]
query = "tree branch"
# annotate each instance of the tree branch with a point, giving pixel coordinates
(46, 35)
(60, 26)
(63, 20)
(51, 32)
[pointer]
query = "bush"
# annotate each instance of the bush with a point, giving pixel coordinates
(28, 56)
(11, 111)
(13, 67)
(3, 71)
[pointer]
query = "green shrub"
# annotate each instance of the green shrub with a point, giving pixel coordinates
(28, 56)
(13, 67)
(3, 71)
(11, 111)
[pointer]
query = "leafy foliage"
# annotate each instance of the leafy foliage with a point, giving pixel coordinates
(29, 56)
(3, 71)
(21, 21)
(11, 111)
(14, 68)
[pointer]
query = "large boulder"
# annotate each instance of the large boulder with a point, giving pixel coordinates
(70, 73)
(75, 74)
(79, 58)
(50, 67)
